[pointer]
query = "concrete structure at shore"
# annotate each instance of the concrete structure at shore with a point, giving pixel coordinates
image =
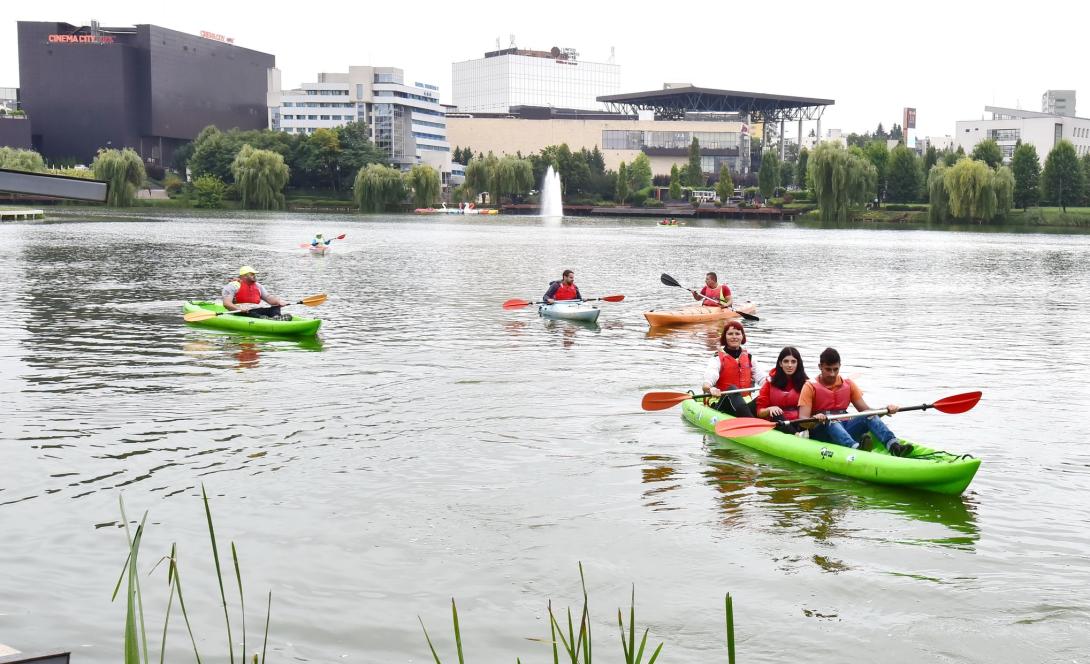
(1007, 126)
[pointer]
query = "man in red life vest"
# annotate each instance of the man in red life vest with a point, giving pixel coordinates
(243, 293)
(831, 394)
(565, 289)
(713, 293)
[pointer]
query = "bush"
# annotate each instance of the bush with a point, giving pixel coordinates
(208, 191)
(154, 171)
(750, 192)
(802, 195)
(173, 184)
(651, 202)
(776, 203)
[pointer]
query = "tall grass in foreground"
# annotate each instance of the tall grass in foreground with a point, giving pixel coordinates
(136, 639)
(576, 647)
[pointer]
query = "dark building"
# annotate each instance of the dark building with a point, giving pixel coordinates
(144, 87)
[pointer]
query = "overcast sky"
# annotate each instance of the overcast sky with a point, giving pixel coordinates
(947, 59)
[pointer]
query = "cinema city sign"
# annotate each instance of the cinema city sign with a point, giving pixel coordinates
(216, 37)
(80, 39)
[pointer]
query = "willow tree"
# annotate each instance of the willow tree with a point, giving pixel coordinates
(840, 179)
(15, 159)
(939, 201)
(123, 170)
(1004, 191)
(378, 187)
(970, 185)
(511, 176)
(260, 176)
(423, 181)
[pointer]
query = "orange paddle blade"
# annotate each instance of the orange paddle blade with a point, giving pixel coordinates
(516, 304)
(314, 300)
(742, 427)
(663, 400)
(197, 316)
(340, 237)
(613, 298)
(958, 403)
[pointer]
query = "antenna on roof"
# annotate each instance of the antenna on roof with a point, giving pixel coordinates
(612, 54)
(497, 43)
(512, 42)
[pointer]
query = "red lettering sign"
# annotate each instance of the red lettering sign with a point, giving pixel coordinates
(80, 39)
(217, 37)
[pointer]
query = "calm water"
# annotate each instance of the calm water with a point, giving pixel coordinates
(433, 445)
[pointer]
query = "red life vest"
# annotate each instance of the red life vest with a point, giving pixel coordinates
(248, 293)
(787, 399)
(716, 295)
(566, 292)
(831, 401)
(734, 372)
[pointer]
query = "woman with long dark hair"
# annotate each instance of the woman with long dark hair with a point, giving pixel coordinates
(779, 397)
(731, 368)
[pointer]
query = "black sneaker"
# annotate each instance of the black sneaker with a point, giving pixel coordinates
(895, 449)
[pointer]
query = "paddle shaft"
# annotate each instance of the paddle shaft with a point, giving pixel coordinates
(862, 413)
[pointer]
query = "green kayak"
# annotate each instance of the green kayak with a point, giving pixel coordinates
(298, 326)
(925, 468)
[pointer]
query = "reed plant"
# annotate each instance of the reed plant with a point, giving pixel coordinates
(577, 646)
(136, 640)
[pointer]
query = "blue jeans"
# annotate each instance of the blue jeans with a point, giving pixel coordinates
(846, 432)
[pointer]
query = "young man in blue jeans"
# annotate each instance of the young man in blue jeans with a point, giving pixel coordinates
(829, 394)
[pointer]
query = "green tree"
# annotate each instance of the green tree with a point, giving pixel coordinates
(1027, 175)
(930, 158)
(326, 153)
(423, 181)
(639, 173)
(357, 151)
(208, 191)
(123, 170)
(675, 185)
(904, 175)
(1003, 183)
(377, 187)
(725, 187)
(261, 176)
(597, 162)
(988, 152)
(693, 172)
(800, 169)
(950, 157)
(970, 186)
(1061, 180)
(479, 174)
(787, 173)
(768, 178)
(841, 179)
(622, 184)
(938, 200)
(878, 154)
(212, 155)
(15, 159)
(1084, 166)
(511, 176)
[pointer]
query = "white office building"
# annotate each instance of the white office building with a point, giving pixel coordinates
(1009, 125)
(510, 77)
(1058, 102)
(405, 121)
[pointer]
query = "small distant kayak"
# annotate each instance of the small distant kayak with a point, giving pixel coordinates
(697, 314)
(570, 310)
(319, 249)
(924, 468)
(298, 326)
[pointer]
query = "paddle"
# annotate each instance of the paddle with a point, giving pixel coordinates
(518, 304)
(197, 316)
(751, 426)
(664, 400)
(670, 281)
(307, 245)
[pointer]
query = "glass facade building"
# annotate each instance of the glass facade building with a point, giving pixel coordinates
(502, 79)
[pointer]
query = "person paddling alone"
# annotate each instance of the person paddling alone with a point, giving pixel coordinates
(246, 291)
(319, 240)
(732, 367)
(830, 394)
(713, 293)
(565, 289)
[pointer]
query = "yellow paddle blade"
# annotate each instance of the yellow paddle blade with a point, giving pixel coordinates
(197, 316)
(314, 300)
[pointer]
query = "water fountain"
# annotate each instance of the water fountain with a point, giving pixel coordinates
(551, 203)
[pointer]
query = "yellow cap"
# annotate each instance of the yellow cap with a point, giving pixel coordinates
(246, 269)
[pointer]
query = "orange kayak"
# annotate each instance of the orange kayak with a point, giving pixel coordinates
(697, 314)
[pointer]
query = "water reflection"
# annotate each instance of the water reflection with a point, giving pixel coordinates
(568, 330)
(687, 336)
(818, 506)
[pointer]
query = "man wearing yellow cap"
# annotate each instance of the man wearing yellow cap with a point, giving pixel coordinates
(243, 293)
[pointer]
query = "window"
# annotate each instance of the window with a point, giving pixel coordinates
(323, 117)
(1005, 134)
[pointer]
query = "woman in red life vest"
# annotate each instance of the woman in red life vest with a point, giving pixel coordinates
(246, 291)
(565, 289)
(713, 293)
(779, 396)
(730, 368)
